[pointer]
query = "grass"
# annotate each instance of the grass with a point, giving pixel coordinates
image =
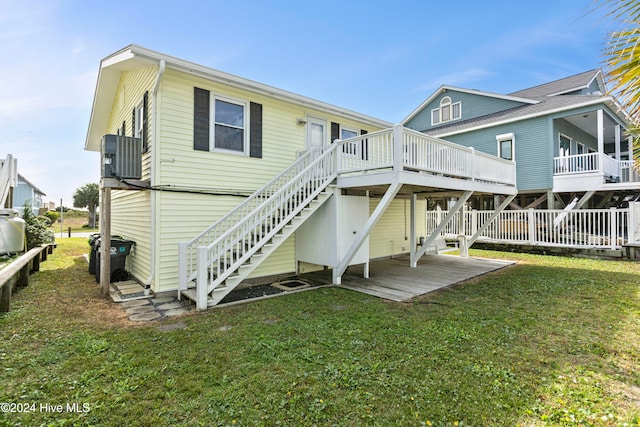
(550, 341)
(76, 219)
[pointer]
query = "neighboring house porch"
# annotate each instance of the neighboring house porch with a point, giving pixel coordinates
(605, 169)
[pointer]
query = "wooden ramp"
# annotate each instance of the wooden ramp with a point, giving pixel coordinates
(394, 280)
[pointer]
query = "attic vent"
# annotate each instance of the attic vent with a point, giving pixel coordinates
(121, 157)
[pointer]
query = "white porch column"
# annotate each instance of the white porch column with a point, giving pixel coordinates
(413, 247)
(618, 142)
(600, 122)
(462, 235)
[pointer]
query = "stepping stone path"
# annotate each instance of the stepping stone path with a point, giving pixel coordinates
(159, 308)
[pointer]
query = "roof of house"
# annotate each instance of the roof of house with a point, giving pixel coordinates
(536, 101)
(561, 86)
(26, 181)
(134, 56)
(549, 106)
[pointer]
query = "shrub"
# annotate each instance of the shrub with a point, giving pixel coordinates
(36, 228)
(53, 216)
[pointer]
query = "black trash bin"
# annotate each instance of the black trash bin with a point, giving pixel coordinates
(94, 239)
(94, 255)
(120, 248)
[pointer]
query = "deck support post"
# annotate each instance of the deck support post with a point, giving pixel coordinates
(429, 240)
(462, 232)
(105, 240)
(413, 246)
(384, 203)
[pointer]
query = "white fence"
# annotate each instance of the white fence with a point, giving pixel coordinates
(593, 228)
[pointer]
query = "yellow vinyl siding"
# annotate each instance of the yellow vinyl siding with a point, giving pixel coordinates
(130, 92)
(181, 216)
(131, 219)
(131, 210)
(388, 236)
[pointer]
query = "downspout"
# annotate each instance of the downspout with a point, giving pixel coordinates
(154, 169)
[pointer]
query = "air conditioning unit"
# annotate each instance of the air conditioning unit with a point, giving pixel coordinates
(121, 157)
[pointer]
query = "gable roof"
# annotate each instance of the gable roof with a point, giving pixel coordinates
(537, 101)
(562, 86)
(134, 56)
(445, 88)
(551, 105)
(30, 184)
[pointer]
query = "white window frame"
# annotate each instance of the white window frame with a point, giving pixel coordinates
(139, 118)
(351, 150)
(560, 136)
(503, 138)
(437, 115)
(245, 125)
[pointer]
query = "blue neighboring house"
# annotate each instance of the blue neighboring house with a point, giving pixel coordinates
(567, 138)
(27, 193)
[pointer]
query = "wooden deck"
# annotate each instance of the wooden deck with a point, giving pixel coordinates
(394, 280)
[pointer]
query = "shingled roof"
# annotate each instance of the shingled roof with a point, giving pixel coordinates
(550, 105)
(546, 98)
(558, 87)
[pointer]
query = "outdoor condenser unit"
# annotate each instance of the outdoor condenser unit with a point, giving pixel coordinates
(121, 157)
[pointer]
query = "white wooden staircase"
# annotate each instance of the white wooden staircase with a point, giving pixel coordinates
(221, 257)
(8, 178)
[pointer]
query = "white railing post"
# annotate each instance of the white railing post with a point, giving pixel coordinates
(338, 158)
(631, 228)
(474, 222)
(473, 164)
(182, 266)
(398, 148)
(532, 225)
(202, 282)
(613, 221)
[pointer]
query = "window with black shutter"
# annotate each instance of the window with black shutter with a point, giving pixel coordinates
(226, 125)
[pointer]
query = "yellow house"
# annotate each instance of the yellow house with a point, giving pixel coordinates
(240, 180)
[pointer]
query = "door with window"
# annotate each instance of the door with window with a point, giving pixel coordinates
(316, 133)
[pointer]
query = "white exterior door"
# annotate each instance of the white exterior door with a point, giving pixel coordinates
(316, 133)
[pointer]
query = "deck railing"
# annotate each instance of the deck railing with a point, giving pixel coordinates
(618, 170)
(401, 148)
(584, 228)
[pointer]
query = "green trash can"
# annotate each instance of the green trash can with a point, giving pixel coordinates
(120, 248)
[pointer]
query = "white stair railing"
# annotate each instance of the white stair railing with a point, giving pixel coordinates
(8, 177)
(229, 240)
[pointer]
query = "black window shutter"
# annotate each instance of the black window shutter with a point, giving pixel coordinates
(124, 127)
(201, 109)
(365, 145)
(255, 130)
(335, 131)
(145, 122)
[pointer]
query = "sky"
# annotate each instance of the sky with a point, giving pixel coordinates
(380, 58)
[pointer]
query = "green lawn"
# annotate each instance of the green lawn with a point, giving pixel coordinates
(549, 341)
